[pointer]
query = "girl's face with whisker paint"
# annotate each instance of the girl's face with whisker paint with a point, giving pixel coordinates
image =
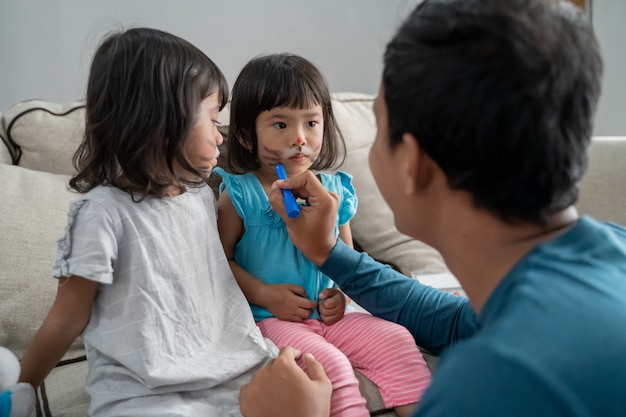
(289, 136)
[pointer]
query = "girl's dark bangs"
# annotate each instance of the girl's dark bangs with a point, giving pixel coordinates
(292, 93)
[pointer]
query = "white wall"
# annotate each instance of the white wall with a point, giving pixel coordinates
(46, 46)
(609, 20)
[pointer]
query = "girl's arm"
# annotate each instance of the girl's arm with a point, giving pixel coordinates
(230, 228)
(65, 321)
(345, 234)
(285, 301)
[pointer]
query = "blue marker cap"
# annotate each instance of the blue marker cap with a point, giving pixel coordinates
(291, 205)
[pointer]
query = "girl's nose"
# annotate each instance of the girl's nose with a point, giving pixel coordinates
(299, 141)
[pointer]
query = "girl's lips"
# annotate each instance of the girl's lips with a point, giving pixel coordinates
(296, 152)
(298, 157)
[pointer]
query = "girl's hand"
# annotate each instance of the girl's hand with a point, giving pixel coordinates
(332, 305)
(289, 302)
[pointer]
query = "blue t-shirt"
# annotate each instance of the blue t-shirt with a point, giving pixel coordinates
(550, 340)
(265, 250)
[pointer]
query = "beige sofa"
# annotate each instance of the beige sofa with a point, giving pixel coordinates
(38, 141)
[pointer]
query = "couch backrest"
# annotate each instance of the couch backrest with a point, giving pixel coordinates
(5, 155)
(603, 189)
(45, 135)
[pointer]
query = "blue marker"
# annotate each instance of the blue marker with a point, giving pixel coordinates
(291, 205)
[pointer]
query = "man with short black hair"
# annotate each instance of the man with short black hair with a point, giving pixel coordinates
(484, 121)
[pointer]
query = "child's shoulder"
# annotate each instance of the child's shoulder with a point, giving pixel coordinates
(340, 183)
(234, 181)
(225, 175)
(228, 177)
(106, 199)
(105, 195)
(335, 180)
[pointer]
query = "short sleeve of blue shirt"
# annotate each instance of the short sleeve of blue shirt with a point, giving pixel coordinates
(341, 184)
(233, 184)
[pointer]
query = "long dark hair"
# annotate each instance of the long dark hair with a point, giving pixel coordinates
(279, 80)
(145, 87)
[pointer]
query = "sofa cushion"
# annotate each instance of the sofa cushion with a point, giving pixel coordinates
(373, 225)
(47, 134)
(5, 153)
(5, 157)
(34, 213)
(603, 189)
(63, 392)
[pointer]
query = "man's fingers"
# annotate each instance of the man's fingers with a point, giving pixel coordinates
(282, 388)
(315, 370)
(289, 353)
(313, 231)
(305, 186)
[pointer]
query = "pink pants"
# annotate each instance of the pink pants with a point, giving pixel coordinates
(383, 351)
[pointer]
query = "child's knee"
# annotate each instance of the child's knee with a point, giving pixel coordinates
(400, 333)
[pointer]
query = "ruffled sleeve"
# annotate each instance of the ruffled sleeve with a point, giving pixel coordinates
(89, 245)
(349, 201)
(232, 184)
(64, 244)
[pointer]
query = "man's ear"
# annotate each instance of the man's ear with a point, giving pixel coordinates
(418, 165)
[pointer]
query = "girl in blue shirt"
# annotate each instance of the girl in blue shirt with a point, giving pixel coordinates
(281, 112)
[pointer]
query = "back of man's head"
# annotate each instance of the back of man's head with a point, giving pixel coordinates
(501, 94)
